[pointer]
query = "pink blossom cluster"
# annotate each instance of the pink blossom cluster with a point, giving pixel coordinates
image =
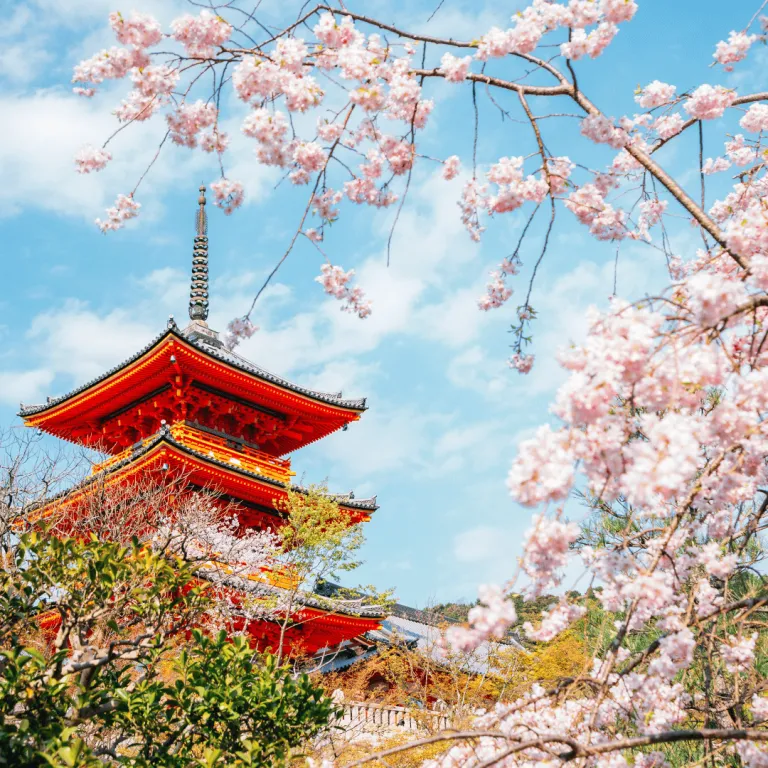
(554, 621)
(111, 64)
(602, 130)
(471, 202)
(590, 44)
(651, 212)
(451, 167)
(712, 296)
(559, 170)
(513, 189)
(655, 94)
(91, 159)
(125, 208)
(543, 16)
(588, 205)
(227, 194)
(546, 548)
(733, 50)
(152, 88)
(324, 204)
(522, 363)
(668, 126)
(738, 653)
(336, 282)
(496, 293)
(140, 31)
(202, 34)
(490, 619)
(739, 152)
(453, 68)
(238, 330)
(708, 102)
(715, 165)
(188, 120)
(756, 119)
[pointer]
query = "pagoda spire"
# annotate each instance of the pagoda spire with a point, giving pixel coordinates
(198, 293)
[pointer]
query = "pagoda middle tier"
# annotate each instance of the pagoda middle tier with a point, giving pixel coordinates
(188, 376)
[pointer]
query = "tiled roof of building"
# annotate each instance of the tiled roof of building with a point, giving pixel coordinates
(215, 350)
(308, 599)
(164, 435)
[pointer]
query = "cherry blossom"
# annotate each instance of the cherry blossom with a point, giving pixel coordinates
(228, 195)
(734, 50)
(738, 653)
(451, 167)
(324, 203)
(554, 621)
(715, 165)
(668, 126)
(759, 708)
(496, 292)
(756, 119)
(591, 44)
(336, 282)
(455, 69)
(140, 31)
(522, 363)
(125, 208)
(491, 618)
(655, 94)
(91, 159)
(239, 329)
(186, 122)
(602, 130)
(708, 102)
(201, 34)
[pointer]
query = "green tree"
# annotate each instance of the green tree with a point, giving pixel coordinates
(102, 662)
(317, 542)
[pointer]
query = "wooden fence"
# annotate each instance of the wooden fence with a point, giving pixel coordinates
(369, 716)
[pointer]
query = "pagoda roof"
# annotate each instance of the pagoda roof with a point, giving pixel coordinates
(306, 599)
(164, 437)
(220, 353)
(79, 414)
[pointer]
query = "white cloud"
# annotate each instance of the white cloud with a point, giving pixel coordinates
(26, 386)
(482, 544)
(76, 342)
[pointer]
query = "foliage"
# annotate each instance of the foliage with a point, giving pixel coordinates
(317, 541)
(102, 663)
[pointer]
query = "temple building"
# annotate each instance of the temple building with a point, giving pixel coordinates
(186, 404)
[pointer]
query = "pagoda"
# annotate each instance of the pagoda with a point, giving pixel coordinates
(187, 404)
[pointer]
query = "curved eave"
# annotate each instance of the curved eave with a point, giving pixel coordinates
(224, 358)
(328, 607)
(366, 506)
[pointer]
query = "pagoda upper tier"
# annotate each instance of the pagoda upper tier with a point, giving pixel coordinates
(188, 375)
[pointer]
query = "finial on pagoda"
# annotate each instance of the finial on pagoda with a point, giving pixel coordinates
(198, 294)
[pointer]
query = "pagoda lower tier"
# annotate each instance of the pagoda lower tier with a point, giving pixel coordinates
(251, 484)
(316, 625)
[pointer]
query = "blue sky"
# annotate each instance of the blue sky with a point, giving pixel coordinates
(445, 411)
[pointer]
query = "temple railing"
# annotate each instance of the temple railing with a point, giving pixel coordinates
(369, 716)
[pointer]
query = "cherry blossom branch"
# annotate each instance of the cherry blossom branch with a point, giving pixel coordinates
(748, 99)
(436, 739)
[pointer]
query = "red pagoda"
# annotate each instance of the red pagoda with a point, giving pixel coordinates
(187, 404)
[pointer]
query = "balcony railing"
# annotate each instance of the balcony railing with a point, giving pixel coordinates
(216, 447)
